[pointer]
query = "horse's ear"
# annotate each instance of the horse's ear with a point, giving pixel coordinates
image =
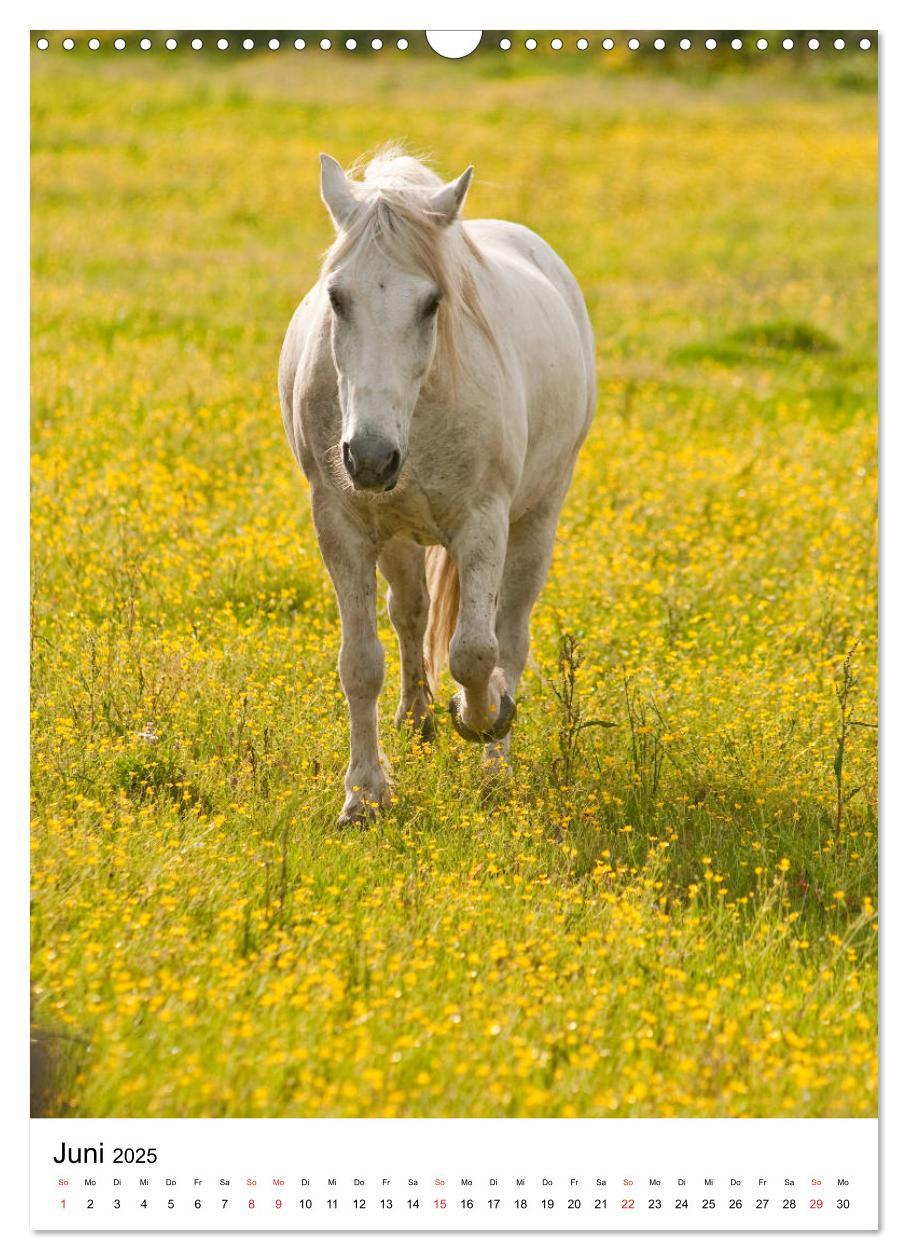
(447, 202)
(336, 194)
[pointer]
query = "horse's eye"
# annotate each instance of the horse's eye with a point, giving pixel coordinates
(338, 303)
(431, 306)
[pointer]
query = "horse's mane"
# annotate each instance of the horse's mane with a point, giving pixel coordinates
(395, 217)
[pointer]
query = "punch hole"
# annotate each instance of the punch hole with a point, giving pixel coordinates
(788, 44)
(454, 44)
(196, 43)
(403, 44)
(711, 44)
(813, 44)
(68, 44)
(376, 44)
(737, 44)
(838, 44)
(762, 44)
(557, 45)
(531, 44)
(170, 44)
(94, 44)
(120, 44)
(865, 44)
(608, 44)
(583, 44)
(633, 44)
(145, 44)
(299, 44)
(223, 43)
(658, 44)
(684, 45)
(504, 44)
(248, 44)
(43, 44)
(350, 45)
(274, 44)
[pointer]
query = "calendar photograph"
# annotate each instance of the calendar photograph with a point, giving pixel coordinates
(454, 576)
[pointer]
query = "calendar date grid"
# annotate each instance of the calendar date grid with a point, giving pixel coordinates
(455, 1196)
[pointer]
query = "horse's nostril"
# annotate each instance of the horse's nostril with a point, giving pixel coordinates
(392, 464)
(349, 461)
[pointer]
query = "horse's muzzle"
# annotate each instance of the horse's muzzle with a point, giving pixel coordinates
(372, 462)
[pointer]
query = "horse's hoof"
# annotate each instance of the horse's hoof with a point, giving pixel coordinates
(460, 726)
(507, 707)
(422, 727)
(358, 815)
(506, 710)
(361, 811)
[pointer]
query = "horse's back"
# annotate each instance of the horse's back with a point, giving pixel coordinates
(535, 300)
(499, 238)
(515, 246)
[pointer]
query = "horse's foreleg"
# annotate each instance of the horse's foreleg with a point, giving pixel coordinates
(403, 564)
(351, 557)
(529, 554)
(483, 709)
(530, 543)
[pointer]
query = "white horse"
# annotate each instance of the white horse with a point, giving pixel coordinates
(436, 386)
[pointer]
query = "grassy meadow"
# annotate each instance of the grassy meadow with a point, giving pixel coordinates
(670, 907)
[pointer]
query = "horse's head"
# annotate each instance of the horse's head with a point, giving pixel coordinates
(385, 281)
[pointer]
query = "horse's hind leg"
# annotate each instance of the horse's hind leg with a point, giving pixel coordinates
(403, 564)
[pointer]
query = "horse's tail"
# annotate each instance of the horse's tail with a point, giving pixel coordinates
(444, 599)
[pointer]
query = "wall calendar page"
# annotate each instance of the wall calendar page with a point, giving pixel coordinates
(454, 629)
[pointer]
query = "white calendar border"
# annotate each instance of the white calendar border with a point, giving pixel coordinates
(894, 203)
